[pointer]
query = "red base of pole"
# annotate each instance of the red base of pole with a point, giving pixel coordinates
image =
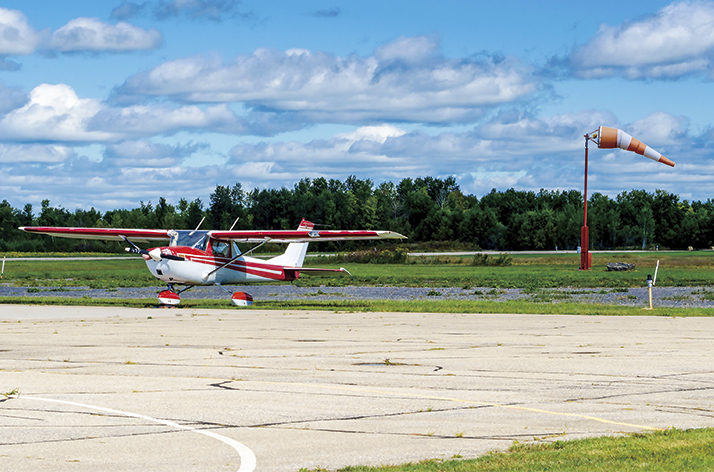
(586, 260)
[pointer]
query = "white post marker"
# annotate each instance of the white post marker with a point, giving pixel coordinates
(2, 273)
(651, 282)
(655, 277)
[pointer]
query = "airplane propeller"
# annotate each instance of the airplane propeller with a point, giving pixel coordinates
(155, 254)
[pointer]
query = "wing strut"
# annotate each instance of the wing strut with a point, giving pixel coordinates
(208, 274)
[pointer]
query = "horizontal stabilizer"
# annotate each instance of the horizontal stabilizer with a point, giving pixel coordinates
(302, 236)
(293, 271)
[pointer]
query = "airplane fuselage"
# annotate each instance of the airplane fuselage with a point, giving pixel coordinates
(190, 266)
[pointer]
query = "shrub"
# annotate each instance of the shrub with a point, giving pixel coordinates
(481, 260)
(377, 256)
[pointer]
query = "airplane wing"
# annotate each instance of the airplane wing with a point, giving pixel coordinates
(247, 236)
(135, 235)
(301, 235)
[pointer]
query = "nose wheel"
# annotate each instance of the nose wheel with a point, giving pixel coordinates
(171, 296)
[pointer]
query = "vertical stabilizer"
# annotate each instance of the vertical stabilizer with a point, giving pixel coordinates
(294, 255)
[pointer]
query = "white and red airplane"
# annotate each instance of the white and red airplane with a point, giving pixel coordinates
(201, 257)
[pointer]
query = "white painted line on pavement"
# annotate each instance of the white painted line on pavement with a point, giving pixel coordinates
(247, 458)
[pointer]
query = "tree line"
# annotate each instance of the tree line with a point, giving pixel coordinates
(423, 209)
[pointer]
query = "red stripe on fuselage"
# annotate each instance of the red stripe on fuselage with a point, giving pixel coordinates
(267, 271)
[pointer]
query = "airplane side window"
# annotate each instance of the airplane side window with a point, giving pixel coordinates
(220, 248)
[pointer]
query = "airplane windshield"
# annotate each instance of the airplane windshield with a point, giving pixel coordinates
(194, 239)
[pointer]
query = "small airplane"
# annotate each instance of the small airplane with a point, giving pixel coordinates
(201, 257)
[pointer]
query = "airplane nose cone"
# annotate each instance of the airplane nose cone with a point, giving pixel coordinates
(155, 254)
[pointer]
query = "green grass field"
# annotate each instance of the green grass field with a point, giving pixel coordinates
(671, 450)
(538, 274)
(686, 269)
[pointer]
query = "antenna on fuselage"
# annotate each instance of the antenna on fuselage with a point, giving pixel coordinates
(234, 224)
(199, 225)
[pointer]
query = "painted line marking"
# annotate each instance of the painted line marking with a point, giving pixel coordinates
(459, 400)
(247, 458)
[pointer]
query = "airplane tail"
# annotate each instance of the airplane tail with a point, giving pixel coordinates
(294, 255)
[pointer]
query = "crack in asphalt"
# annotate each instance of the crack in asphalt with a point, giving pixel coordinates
(639, 394)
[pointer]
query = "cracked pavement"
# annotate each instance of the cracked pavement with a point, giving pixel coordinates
(192, 389)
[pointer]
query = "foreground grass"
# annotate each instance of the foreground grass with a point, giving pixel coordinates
(413, 306)
(670, 450)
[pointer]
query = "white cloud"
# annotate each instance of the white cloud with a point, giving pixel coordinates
(24, 153)
(148, 154)
(321, 87)
(53, 113)
(377, 134)
(516, 150)
(140, 120)
(677, 41)
(92, 35)
(408, 50)
(17, 37)
(659, 128)
(509, 151)
(83, 183)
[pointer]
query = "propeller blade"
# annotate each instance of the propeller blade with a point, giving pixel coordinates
(134, 249)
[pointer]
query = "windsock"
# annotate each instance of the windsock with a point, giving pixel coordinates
(610, 138)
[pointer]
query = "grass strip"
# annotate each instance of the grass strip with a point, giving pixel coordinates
(670, 450)
(416, 306)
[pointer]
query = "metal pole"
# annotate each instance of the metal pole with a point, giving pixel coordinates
(585, 260)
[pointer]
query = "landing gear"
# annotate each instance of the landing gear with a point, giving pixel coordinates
(170, 296)
(242, 299)
(239, 298)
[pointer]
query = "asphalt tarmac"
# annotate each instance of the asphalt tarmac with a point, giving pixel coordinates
(239, 390)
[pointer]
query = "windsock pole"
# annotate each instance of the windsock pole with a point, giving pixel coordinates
(609, 138)
(585, 257)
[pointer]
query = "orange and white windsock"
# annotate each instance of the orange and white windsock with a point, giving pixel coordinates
(610, 138)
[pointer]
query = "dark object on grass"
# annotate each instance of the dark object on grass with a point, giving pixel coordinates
(620, 266)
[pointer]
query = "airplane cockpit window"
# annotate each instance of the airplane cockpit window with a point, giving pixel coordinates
(220, 248)
(201, 244)
(194, 239)
(236, 249)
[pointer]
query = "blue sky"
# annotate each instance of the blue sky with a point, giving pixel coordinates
(108, 103)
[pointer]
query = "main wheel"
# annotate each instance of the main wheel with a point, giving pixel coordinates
(242, 299)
